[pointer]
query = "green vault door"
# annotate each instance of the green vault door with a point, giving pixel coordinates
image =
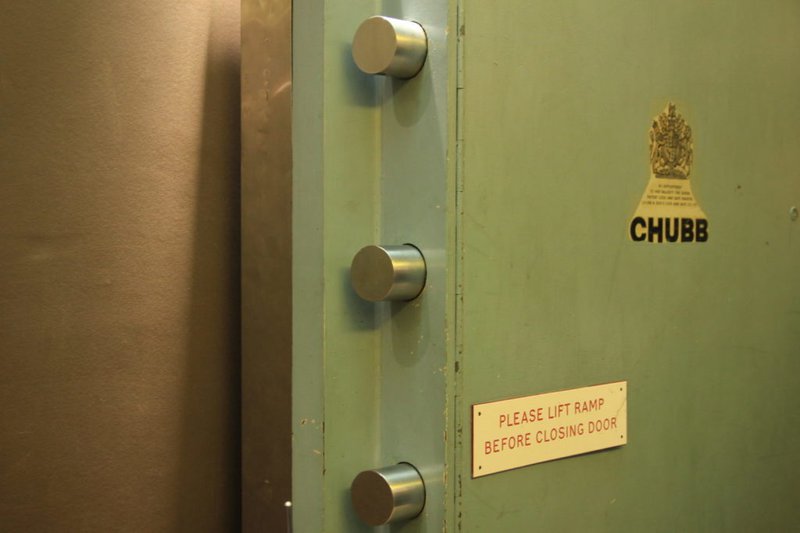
(603, 192)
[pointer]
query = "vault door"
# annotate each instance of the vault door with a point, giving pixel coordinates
(558, 101)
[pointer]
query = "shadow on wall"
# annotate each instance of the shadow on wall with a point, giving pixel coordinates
(119, 266)
(213, 354)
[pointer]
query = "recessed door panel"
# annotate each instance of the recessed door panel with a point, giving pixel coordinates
(557, 105)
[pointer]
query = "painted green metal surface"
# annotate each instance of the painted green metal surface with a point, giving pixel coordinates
(333, 377)
(417, 193)
(371, 166)
(515, 162)
(557, 101)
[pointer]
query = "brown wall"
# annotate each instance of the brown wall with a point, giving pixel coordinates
(119, 269)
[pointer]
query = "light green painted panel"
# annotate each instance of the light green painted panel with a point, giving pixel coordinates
(334, 378)
(372, 382)
(417, 193)
(557, 101)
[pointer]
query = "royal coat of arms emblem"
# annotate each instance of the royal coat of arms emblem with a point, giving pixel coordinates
(668, 211)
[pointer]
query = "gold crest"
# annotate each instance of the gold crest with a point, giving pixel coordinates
(671, 145)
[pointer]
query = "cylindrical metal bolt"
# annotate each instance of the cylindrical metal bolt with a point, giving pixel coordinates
(380, 273)
(394, 47)
(390, 494)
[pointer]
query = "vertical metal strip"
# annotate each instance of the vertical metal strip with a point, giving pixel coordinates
(266, 262)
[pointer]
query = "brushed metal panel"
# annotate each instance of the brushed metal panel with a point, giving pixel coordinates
(266, 263)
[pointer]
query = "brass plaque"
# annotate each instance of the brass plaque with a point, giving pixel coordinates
(668, 211)
(518, 432)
